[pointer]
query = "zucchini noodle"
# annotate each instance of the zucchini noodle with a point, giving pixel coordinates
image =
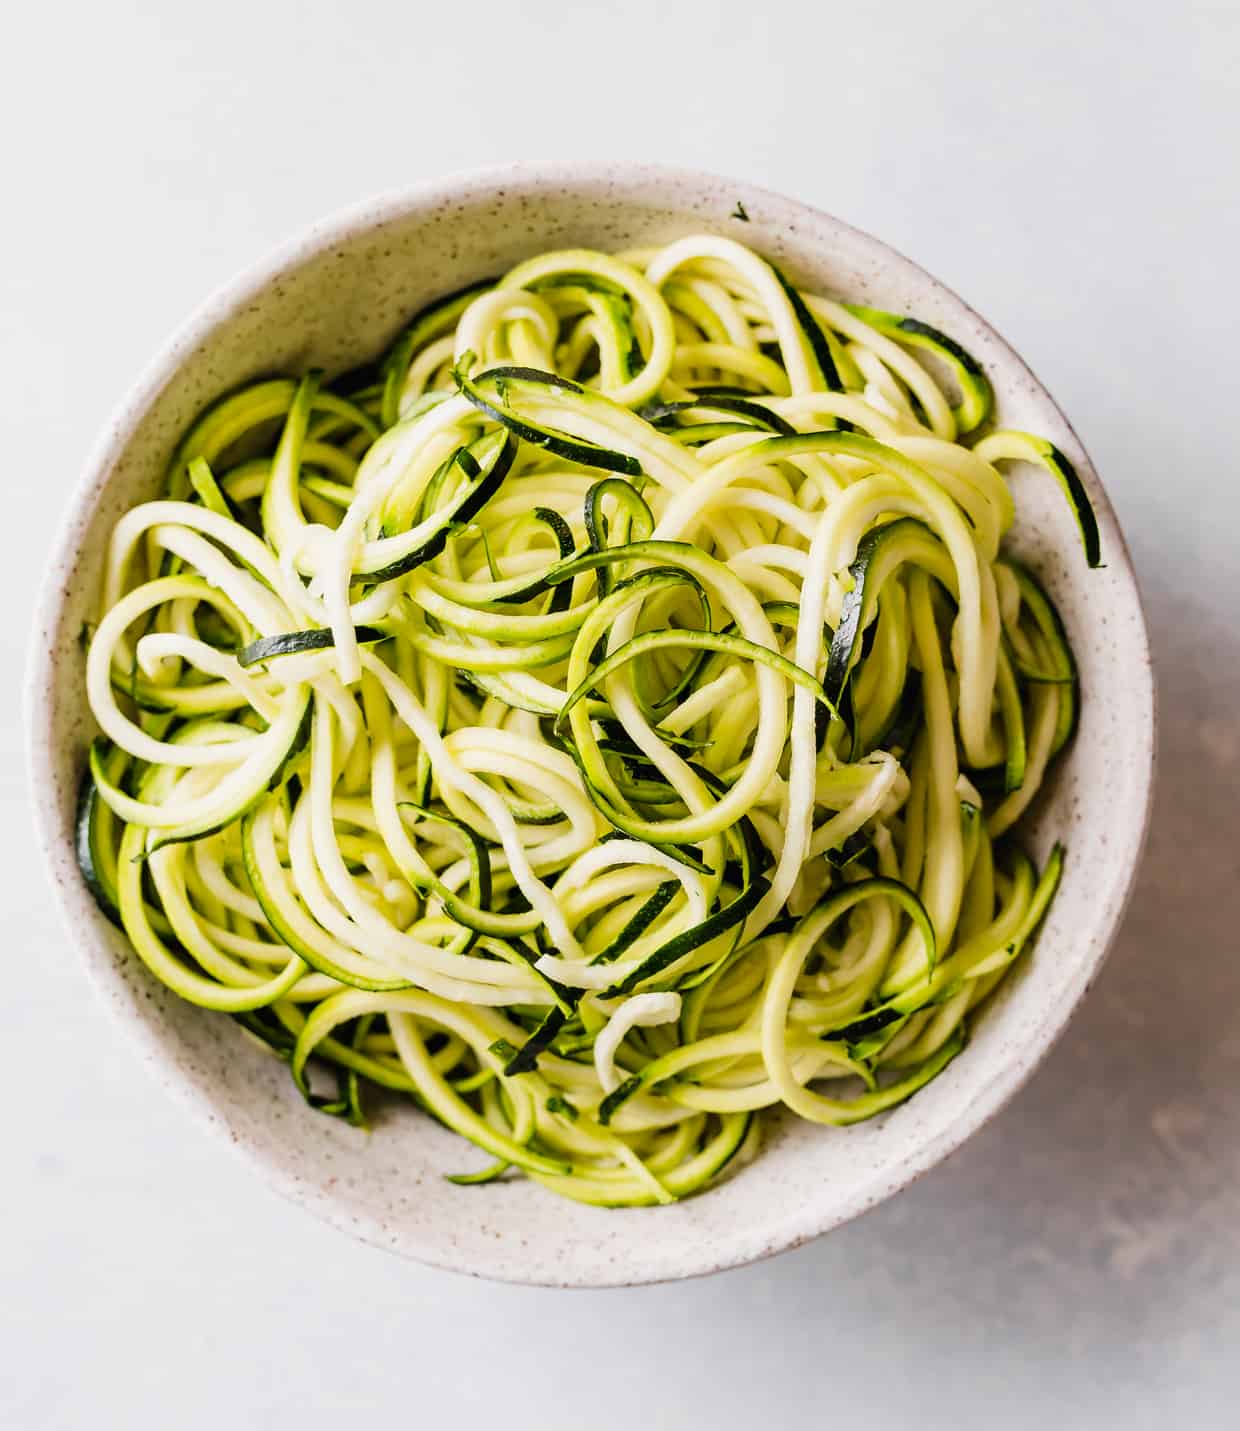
(602, 720)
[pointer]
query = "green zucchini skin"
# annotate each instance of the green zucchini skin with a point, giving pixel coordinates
(296, 643)
(976, 395)
(439, 316)
(814, 336)
(1062, 672)
(1024, 447)
(718, 923)
(862, 595)
(484, 480)
(639, 923)
(90, 810)
(502, 380)
(1074, 488)
(525, 1059)
(709, 400)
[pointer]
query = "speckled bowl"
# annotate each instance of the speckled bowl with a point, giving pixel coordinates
(334, 297)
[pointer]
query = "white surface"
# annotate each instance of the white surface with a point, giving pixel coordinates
(1072, 175)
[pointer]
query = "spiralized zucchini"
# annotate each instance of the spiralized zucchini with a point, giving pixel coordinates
(602, 721)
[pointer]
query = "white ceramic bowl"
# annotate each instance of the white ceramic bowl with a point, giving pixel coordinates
(333, 298)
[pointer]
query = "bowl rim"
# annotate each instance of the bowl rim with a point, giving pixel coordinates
(532, 177)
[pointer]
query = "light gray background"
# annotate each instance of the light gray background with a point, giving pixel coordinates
(1071, 170)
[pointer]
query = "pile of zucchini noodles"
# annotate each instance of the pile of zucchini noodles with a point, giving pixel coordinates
(601, 720)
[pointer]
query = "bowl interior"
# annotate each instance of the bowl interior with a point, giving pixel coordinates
(334, 299)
